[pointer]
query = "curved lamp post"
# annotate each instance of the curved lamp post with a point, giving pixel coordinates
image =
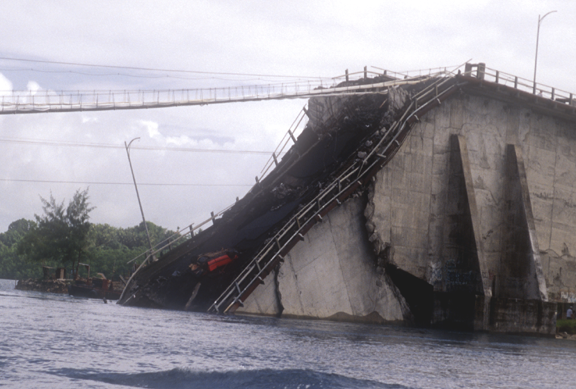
(137, 194)
(537, 39)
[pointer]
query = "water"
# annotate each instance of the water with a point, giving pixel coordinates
(57, 341)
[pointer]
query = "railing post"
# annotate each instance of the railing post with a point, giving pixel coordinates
(481, 71)
(292, 136)
(365, 72)
(347, 75)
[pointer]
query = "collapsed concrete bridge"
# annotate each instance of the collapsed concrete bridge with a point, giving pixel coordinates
(446, 200)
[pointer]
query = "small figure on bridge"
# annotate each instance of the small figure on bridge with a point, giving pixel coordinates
(570, 313)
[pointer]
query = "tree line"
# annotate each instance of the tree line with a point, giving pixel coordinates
(64, 236)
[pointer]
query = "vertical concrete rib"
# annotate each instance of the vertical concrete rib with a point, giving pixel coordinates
(516, 166)
(462, 149)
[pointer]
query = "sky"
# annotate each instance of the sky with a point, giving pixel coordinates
(221, 43)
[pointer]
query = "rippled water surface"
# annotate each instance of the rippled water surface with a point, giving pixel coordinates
(56, 341)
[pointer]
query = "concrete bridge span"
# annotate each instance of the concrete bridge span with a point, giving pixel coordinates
(469, 223)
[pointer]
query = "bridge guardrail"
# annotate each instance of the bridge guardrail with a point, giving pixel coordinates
(481, 72)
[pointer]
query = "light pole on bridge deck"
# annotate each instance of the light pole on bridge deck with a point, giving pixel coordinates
(137, 194)
(537, 39)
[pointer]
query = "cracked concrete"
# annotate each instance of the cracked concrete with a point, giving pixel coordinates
(330, 275)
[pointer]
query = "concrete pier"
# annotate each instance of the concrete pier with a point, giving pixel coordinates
(472, 225)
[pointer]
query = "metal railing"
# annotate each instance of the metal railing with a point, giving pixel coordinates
(481, 72)
(428, 72)
(21, 102)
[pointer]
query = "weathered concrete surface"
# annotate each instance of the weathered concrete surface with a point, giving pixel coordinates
(331, 274)
(526, 220)
(521, 258)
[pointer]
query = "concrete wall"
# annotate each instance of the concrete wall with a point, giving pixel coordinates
(410, 206)
(331, 275)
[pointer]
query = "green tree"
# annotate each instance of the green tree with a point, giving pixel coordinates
(16, 231)
(11, 265)
(61, 234)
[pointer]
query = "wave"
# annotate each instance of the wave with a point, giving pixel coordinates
(250, 379)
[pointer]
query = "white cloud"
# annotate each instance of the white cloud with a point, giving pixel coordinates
(5, 85)
(33, 87)
(181, 140)
(89, 119)
(152, 128)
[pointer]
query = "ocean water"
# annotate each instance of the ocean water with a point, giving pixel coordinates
(57, 341)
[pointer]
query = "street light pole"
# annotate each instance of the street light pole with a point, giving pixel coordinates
(537, 39)
(137, 194)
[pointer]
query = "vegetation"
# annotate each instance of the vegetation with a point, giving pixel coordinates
(63, 236)
(566, 325)
(13, 266)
